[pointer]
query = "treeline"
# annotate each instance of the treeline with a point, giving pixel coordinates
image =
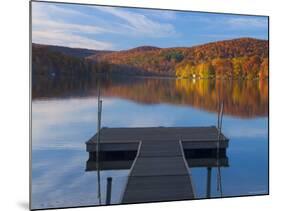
(241, 67)
(240, 58)
(47, 62)
(75, 52)
(244, 58)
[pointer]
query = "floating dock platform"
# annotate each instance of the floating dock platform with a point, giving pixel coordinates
(159, 158)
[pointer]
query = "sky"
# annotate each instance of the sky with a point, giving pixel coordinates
(115, 28)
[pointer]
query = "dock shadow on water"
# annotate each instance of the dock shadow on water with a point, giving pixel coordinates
(159, 139)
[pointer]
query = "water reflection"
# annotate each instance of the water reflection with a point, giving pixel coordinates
(242, 98)
(64, 117)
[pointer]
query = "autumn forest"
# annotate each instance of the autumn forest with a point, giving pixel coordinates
(244, 58)
(236, 70)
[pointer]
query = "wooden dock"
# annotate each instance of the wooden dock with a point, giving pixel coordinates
(158, 159)
(159, 173)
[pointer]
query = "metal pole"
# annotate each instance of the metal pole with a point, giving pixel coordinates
(98, 143)
(220, 115)
(108, 190)
(218, 144)
(219, 169)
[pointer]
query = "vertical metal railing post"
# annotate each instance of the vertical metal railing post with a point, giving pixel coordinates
(220, 115)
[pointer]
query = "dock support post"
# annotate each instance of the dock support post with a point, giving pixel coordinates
(108, 190)
(209, 180)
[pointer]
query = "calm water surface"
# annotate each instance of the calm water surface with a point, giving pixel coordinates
(64, 117)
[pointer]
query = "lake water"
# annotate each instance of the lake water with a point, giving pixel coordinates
(64, 117)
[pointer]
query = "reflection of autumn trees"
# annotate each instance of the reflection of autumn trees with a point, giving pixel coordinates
(243, 98)
(247, 98)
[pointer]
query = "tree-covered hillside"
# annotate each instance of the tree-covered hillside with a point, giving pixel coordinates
(238, 58)
(245, 58)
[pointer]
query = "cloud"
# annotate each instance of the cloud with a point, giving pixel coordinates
(247, 22)
(140, 24)
(230, 27)
(64, 39)
(230, 22)
(47, 9)
(68, 27)
(160, 14)
(56, 25)
(49, 27)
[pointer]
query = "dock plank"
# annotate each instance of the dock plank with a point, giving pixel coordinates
(158, 175)
(157, 188)
(160, 149)
(153, 166)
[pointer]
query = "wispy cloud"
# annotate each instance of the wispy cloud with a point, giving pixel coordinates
(234, 26)
(68, 27)
(247, 22)
(140, 24)
(160, 14)
(55, 31)
(53, 24)
(114, 28)
(47, 9)
(230, 22)
(64, 39)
